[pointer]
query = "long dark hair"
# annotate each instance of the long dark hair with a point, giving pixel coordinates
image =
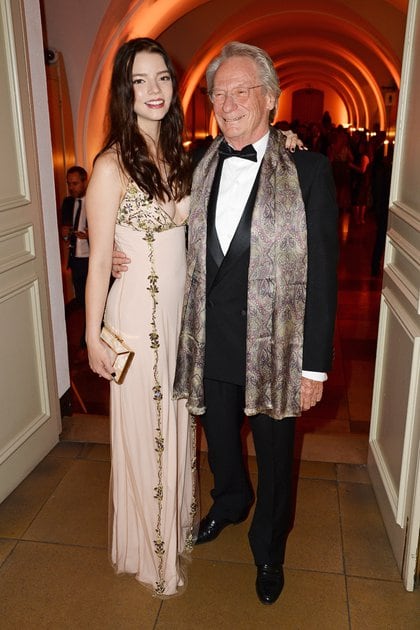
(125, 136)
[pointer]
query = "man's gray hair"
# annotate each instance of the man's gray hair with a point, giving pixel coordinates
(267, 72)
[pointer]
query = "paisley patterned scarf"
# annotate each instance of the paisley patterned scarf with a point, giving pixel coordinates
(276, 289)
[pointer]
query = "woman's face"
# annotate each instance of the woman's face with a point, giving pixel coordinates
(153, 89)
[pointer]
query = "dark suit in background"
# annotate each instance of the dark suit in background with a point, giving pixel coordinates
(77, 264)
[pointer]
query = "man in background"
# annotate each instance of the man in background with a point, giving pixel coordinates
(75, 233)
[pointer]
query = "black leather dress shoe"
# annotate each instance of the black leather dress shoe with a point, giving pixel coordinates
(210, 529)
(270, 582)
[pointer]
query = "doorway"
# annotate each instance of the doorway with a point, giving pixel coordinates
(307, 105)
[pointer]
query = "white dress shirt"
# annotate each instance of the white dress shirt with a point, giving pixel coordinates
(236, 181)
(82, 244)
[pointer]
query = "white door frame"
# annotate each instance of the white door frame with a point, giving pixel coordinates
(394, 456)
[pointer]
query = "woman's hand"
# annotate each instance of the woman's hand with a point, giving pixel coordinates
(292, 141)
(119, 263)
(99, 360)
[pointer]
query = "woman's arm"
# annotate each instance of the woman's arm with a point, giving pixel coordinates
(361, 168)
(102, 201)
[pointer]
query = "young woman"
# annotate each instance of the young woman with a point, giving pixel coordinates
(138, 197)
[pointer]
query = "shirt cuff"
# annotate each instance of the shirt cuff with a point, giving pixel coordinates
(315, 376)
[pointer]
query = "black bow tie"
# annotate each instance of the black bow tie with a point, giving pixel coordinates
(247, 153)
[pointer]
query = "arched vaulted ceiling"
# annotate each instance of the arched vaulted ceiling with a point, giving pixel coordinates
(350, 49)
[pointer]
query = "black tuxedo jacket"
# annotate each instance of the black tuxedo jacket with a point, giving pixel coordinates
(227, 277)
(67, 208)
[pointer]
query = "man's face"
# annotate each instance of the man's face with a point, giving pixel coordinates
(76, 185)
(241, 122)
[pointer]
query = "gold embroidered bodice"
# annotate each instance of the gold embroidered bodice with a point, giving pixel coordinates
(141, 213)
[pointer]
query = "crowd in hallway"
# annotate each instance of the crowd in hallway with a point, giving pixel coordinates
(361, 162)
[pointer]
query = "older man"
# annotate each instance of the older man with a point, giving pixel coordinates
(260, 302)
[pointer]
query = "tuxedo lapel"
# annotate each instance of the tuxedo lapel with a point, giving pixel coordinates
(241, 239)
(67, 211)
(213, 243)
(214, 251)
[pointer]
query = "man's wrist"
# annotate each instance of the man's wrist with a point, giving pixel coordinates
(315, 376)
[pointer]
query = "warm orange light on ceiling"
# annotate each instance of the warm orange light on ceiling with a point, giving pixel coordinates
(328, 41)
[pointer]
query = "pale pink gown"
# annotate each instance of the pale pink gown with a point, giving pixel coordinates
(153, 511)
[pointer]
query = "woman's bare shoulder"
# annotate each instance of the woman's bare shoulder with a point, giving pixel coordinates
(108, 166)
(107, 162)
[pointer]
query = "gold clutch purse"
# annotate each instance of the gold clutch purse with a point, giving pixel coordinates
(122, 355)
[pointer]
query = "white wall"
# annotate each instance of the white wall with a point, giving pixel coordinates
(71, 28)
(44, 151)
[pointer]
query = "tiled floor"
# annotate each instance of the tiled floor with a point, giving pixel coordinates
(340, 572)
(54, 573)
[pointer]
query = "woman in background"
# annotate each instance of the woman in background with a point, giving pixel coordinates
(340, 156)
